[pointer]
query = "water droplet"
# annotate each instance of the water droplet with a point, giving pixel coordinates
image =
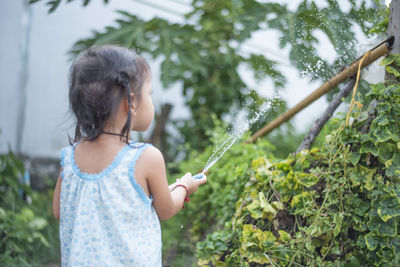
(240, 126)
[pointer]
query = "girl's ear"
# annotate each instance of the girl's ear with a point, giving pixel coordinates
(132, 108)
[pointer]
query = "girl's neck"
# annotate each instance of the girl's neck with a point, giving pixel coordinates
(108, 139)
(114, 134)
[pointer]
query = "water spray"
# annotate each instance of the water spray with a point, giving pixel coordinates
(232, 138)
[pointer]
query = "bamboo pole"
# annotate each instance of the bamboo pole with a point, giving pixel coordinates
(351, 70)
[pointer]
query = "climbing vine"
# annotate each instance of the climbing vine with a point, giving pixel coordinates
(334, 205)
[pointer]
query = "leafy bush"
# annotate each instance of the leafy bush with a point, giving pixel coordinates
(214, 202)
(28, 235)
(336, 205)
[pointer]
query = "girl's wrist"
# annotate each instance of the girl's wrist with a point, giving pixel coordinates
(173, 185)
(187, 199)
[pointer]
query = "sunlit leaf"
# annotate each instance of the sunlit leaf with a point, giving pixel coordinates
(307, 179)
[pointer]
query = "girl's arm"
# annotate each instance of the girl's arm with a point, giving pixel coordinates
(165, 202)
(172, 186)
(56, 199)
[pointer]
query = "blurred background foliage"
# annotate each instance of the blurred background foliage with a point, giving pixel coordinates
(202, 56)
(28, 231)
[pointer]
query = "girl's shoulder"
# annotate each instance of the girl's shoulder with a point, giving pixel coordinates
(150, 157)
(63, 154)
(148, 150)
(67, 153)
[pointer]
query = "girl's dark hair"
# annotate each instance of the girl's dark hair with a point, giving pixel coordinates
(100, 78)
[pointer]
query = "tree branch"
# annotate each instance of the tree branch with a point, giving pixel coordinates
(157, 137)
(316, 128)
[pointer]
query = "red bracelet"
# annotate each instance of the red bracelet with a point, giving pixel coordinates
(187, 199)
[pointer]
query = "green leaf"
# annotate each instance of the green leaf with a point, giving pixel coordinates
(26, 215)
(255, 209)
(371, 240)
(38, 223)
(41, 238)
(362, 207)
(269, 211)
(263, 67)
(355, 157)
(2, 213)
(386, 61)
(396, 192)
(302, 202)
(337, 219)
(374, 221)
(377, 89)
(360, 175)
(306, 179)
(395, 244)
(386, 151)
(389, 207)
(383, 134)
(277, 205)
(388, 228)
(382, 120)
(355, 177)
(361, 241)
(393, 165)
(354, 262)
(361, 227)
(284, 236)
(393, 70)
(369, 147)
(53, 5)
(382, 228)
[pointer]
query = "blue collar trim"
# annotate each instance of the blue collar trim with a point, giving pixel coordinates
(96, 176)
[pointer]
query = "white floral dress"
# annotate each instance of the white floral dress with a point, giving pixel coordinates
(106, 219)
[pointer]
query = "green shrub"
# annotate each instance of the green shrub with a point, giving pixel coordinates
(214, 202)
(28, 235)
(336, 205)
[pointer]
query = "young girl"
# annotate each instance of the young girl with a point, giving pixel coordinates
(111, 192)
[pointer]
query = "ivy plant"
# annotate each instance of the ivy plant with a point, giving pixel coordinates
(337, 204)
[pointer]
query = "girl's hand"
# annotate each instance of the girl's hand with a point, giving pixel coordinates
(151, 167)
(190, 183)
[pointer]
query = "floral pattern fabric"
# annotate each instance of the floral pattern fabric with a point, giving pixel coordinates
(106, 219)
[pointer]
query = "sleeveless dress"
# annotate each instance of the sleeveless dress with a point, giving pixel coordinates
(106, 219)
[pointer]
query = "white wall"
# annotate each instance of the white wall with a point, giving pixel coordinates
(52, 35)
(10, 38)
